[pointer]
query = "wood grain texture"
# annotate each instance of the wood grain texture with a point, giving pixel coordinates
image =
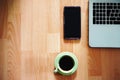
(31, 36)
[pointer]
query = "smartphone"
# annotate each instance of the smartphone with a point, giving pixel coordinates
(72, 22)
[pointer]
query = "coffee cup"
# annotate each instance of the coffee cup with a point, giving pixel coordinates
(66, 63)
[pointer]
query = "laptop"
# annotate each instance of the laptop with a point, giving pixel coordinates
(104, 23)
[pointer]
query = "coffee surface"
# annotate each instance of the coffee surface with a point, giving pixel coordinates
(66, 63)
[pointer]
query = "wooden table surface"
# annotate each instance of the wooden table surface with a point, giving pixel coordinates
(31, 35)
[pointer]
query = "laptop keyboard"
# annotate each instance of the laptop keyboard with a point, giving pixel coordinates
(106, 13)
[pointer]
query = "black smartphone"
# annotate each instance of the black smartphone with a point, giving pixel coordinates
(72, 22)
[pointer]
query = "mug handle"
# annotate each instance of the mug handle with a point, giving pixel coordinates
(56, 70)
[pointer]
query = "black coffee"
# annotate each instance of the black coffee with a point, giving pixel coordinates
(66, 63)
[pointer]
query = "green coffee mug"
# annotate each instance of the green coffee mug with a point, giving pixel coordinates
(66, 63)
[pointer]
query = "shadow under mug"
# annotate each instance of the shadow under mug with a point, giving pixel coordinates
(66, 63)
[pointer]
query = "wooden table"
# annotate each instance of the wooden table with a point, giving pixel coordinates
(31, 35)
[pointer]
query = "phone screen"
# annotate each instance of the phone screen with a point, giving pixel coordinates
(72, 22)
